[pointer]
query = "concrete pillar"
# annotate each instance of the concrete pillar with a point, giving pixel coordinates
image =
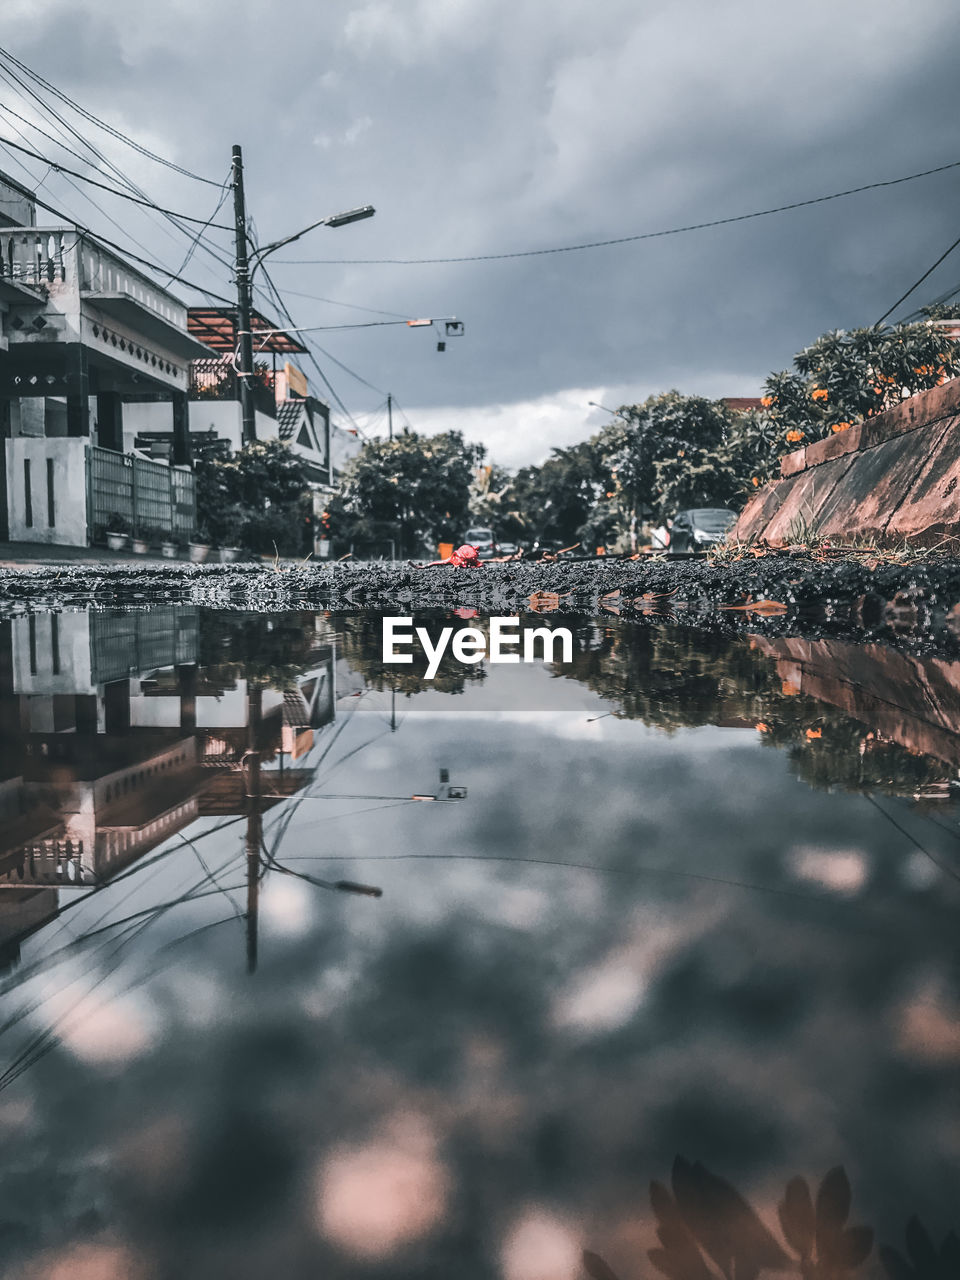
(5, 406)
(187, 685)
(180, 455)
(110, 420)
(78, 395)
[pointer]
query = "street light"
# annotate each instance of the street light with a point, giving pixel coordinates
(245, 273)
(617, 413)
(334, 220)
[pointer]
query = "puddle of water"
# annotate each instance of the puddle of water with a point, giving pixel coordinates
(313, 966)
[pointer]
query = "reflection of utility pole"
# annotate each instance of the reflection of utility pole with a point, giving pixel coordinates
(252, 789)
(390, 414)
(393, 711)
(253, 792)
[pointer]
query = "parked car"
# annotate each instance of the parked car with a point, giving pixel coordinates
(508, 548)
(700, 528)
(484, 541)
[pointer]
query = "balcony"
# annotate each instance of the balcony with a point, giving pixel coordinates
(218, 380)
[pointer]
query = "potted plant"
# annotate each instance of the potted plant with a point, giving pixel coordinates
(117, 532)
(168, 546)
(199, 546)
(140, 541)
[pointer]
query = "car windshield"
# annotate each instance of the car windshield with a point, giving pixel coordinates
(479, 535)
(713, 520)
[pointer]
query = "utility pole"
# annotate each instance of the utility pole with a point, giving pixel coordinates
(244, 355)
(390, 413)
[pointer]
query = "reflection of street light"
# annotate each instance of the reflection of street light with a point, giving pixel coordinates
(245, 280)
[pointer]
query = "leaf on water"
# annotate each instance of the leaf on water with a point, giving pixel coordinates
(544, 601)
(767, 608)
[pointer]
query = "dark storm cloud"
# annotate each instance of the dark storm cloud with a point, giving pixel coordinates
(490, 127)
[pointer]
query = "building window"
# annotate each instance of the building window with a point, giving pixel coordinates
(51, 504)
(27, 495)
(32, 641)
(55, 642)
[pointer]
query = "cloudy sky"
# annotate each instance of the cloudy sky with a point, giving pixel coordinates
(485, 127)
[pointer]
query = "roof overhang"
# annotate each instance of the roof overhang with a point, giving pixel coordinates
(129, 311)
(217, 327)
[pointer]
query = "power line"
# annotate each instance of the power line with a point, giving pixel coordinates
(929, 272)
(355, 306)
(284, 311)
(101, 124)
(30, 94)
(123, 195)
(600, 244)
(146, 262)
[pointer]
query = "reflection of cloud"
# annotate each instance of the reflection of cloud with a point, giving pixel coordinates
(541, 1246)
(376, 1198)
(287, 906)
(88, 1262)
(842, 871)
(114, 1031)
(928, 1030)
(608, 994)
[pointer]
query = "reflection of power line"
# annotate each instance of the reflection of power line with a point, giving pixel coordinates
(780, 891)
(950, 871)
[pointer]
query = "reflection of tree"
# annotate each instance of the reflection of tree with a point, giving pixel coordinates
(362, 645)
(676, 677)
(924, 1261)
(267, 651)
(702, 1220)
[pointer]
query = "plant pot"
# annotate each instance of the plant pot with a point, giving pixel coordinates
(229, 554)
(168, 550)
(140, 546)
(198, 552)
(118, 541)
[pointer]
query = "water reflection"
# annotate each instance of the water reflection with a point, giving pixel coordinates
(640, 905)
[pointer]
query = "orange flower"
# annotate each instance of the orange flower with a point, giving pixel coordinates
(841, 426)
(794, 436)
(756, 483)
(814, 733)
(819, 393)
(762, 728)
(766, 401)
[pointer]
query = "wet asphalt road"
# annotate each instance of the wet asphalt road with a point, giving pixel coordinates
(913, 605)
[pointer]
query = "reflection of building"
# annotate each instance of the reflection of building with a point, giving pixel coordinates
(913, 702)
(113, 738)
(84, 338)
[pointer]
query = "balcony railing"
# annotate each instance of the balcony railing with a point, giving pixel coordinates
(32, 256)
(218, 380)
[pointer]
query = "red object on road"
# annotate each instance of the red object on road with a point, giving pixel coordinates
(464, 557)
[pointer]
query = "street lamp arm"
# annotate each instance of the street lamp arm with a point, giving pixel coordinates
(334, 220)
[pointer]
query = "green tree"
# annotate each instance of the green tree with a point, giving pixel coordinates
(414, 489)
(555, 500)
(258, 497)
(846, 376)
(664, 454)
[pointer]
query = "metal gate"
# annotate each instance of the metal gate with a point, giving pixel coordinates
(149, 496)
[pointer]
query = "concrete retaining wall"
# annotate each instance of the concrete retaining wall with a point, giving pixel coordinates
(890, 478)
